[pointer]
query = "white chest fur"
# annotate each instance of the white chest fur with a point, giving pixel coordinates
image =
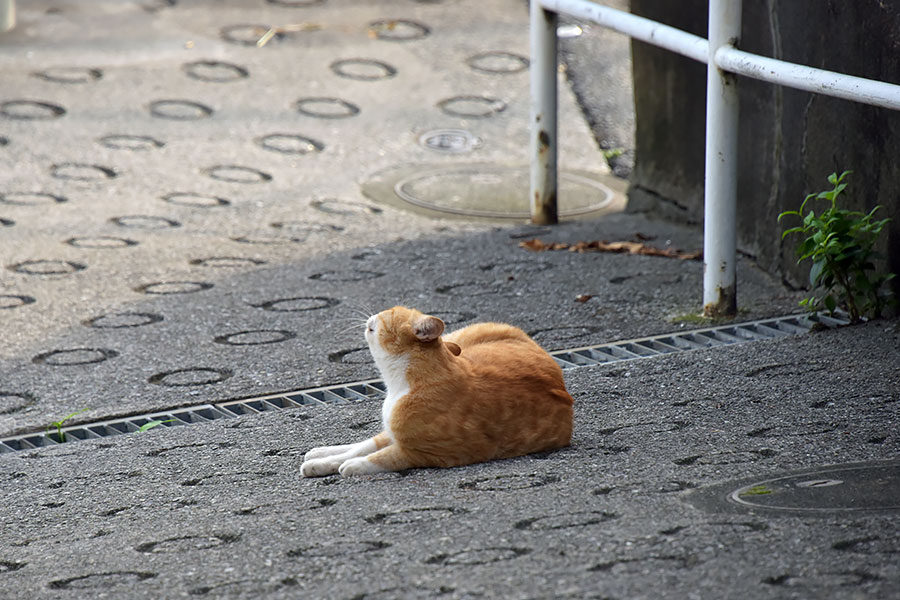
(393, 369)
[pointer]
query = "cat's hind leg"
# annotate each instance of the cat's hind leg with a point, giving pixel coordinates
(325, 460)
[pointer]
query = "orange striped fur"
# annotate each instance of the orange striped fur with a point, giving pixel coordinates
(484, 392)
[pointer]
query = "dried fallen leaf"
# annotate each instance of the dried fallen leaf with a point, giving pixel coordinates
(537, 245)
(291, 28)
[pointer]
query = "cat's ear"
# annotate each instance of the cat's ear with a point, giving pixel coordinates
(453, 348)
(428, 329)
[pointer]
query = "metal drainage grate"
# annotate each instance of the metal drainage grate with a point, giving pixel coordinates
(334, 394)
(374, 389)
(696, 339)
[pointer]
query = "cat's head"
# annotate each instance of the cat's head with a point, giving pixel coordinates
(402, 331)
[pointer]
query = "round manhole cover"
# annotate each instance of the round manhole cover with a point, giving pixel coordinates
(836, 489)
(493, 192)
(847, 488)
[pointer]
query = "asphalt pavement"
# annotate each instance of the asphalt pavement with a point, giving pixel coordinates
(189, 219)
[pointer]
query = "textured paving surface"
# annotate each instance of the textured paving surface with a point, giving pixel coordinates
(177, 202)
(155, 253)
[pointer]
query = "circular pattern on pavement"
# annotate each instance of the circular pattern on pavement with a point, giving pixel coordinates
(348, 275)
(180, 110)
(74, 356)
(326, 108)
(47, 267)
(344, 207)
(479, 556)
(398, 30)
(237, 174)
(82, 172)
(298, 304)
(144, 222)
(352, 356)
(69, 74)
(286, 143)
(363, 69)
(194, 200)
(189, 377)
(123, 320)
(501, 63)
(9, 301)
(31, 110)
(102, 581)
(100, 242)
(300, 230)
(13, 402)
(295, 3)
(166, 288)
(129, 142)
(31, 198)
(513, 481)
(227, 261)
(255, 337)
(246, 35)
(214, 71)
(471, 107)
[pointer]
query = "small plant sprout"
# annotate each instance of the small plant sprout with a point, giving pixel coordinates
(840, 243)
(152, 424)
(60, 434)
(757, 490)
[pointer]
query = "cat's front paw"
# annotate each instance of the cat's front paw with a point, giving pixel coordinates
(358, 466)
(319, 467)
(323, 451)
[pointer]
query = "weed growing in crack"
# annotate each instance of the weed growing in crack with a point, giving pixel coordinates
(154, 423)
(60, 434)
(840, 243)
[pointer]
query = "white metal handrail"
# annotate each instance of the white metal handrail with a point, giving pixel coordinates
(723, 61)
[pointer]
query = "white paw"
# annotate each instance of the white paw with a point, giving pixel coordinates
(319, 467)
(358, 466)
(324, 451)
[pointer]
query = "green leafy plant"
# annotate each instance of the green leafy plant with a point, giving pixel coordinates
(840, 243)
(154, 423)
(60, 434)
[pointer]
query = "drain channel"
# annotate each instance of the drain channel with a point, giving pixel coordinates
(374, 389)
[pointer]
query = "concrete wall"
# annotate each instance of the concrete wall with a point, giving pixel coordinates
(790, 141)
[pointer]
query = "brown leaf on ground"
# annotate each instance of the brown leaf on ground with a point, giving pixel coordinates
(583, 297)
(537, 245)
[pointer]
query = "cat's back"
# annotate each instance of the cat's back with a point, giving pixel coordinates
(489, 333)
(504, 352)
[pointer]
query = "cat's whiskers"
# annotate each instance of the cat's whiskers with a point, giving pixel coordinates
(357, 324)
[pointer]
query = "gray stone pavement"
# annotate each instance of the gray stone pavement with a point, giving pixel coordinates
(156, 254)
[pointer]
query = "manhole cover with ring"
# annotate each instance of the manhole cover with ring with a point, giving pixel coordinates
(489, 192)
(850, 488)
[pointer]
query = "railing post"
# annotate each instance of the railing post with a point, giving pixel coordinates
(720, 199)
(543, 143)
(7, 15)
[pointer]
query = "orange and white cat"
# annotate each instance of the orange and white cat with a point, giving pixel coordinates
(484, 392)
